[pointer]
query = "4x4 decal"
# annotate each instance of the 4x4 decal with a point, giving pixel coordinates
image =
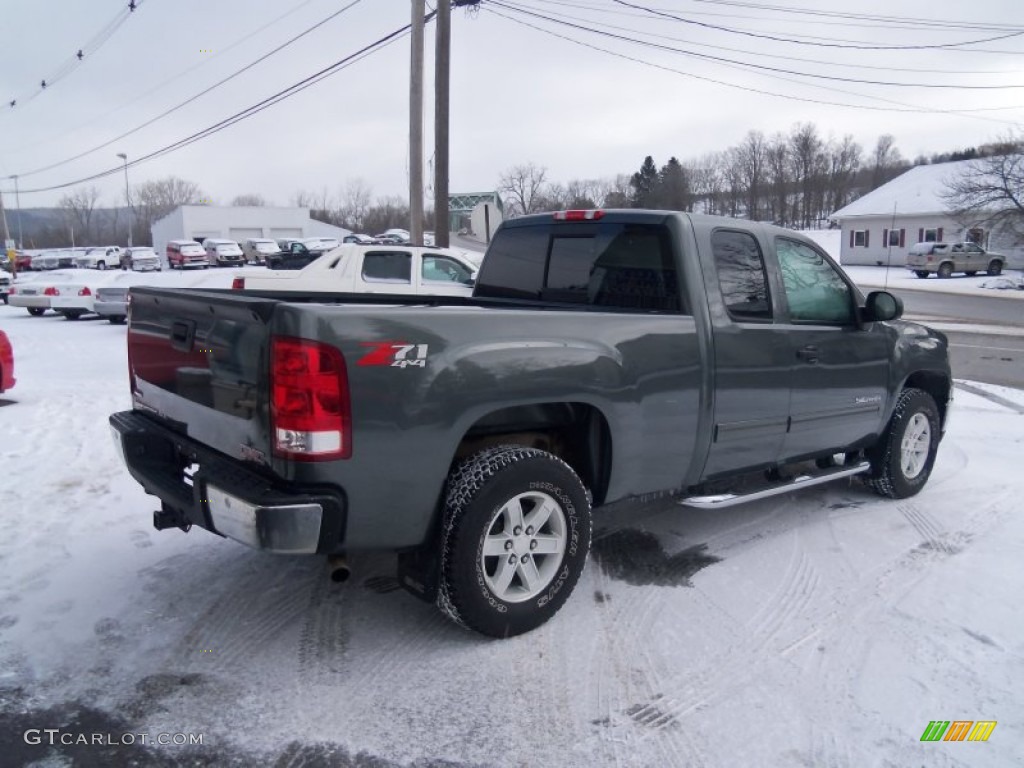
(397, 354)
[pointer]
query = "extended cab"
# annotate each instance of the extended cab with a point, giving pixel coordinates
(372, 269)
(604, 357)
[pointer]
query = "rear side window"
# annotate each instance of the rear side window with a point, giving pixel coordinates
(741, 275)
(387, 267)
(617, 266)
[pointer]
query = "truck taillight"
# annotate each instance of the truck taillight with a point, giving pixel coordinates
(310, 414)
(238, 284)
(578, 215)
(51, 291)
(85, 291)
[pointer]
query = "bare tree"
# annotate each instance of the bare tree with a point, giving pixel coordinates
(751, 158)
(355, 204)
(887, 161)
(77, 208)
(778, 166)
(250, 200)
(808, 161)
(155, 199)
(522, 186)
(615, 193)
(990, 190)
(844, 162)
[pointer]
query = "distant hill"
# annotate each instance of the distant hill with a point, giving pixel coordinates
(50, 227)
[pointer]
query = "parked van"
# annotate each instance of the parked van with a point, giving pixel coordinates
(223, 253)
(186, 253)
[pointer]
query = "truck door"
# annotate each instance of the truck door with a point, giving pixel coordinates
(840, 369)
(753, 357)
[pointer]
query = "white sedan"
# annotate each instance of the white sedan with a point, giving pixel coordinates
(34, 291)
(77, 297)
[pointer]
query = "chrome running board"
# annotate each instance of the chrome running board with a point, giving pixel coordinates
(723, 500)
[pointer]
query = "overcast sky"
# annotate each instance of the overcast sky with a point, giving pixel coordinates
(518, 94)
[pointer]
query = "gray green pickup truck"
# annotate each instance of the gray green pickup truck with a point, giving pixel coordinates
(605, 356)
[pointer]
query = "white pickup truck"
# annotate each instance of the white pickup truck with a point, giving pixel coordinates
(352, 268)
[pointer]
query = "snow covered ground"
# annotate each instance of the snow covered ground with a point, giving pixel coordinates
(825, 628)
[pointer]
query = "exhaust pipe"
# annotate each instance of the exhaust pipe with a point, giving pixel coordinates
(337, 565)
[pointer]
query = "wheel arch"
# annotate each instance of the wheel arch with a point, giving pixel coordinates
(576, 432)
(936, 384)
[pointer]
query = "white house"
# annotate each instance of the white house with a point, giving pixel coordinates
(880, 227)
(238, 223)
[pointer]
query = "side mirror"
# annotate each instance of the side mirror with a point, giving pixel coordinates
(881, 306)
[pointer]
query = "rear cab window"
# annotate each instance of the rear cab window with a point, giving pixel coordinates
(387, 267)
(601, 264)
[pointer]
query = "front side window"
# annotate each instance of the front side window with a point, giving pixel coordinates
(741, 275)
(815, 291)
(387, 267)
(441, 269)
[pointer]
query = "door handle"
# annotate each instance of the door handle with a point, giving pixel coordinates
(808, 353)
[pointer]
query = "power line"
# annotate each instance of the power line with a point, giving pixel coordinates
(750, 65)
(105, 114)
(91, 46)
(255, 109)
(916, 20)
(748, 89)
(857, 46)
(189, 100)
(801, 59)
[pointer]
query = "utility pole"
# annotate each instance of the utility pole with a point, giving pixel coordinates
(17, 200)
(442, 67)
(7, 236)
(127, 196)
(416, 125)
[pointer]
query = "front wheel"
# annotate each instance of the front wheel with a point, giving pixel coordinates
(515, 539)
(902, 459)
(995, 267)
(102, 266)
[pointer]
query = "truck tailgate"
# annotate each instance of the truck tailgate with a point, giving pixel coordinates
(198, 362)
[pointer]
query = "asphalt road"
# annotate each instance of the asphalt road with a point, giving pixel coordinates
(952, 307)
(988, 358)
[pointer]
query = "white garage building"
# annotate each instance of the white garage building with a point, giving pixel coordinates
(195, 222)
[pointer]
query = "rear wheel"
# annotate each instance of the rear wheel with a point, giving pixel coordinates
(945, 270)
(902, 459)
(971, 273)
(72, 314)
(921, 273)
(101, 266)
(995, 267)
(35, 311)
(515, 539)
(116, 319)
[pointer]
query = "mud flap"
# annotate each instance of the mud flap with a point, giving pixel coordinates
(418, 572)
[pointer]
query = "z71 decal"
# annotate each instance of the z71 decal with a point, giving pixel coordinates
(397, 354)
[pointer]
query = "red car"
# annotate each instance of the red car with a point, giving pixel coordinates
(6, 363)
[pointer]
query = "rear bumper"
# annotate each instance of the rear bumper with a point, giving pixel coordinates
(21, 300)
(202, 487)
(108, 308)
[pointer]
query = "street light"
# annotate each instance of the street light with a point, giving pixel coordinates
(127, 196)
(17, 198)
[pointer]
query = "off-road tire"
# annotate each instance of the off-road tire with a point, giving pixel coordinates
(995, 268)
(888, 475)
(476, 491)
(945, 270)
